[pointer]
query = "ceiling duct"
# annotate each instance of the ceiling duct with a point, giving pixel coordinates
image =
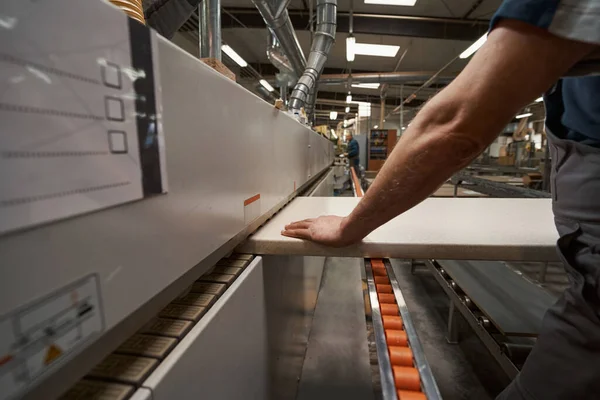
(286, 76)
(383, 77)
(321, 46)
(277, 19)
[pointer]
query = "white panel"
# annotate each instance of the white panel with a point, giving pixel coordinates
(446, 228)
(142, 394)
(325, 186)
(223, 146)
(224, 357)
(69, 140)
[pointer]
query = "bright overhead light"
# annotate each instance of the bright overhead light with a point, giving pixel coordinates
(266, 85)
(347, 109)
(349, 98)
(524, 115)
(376, 126)
(333, 115)
(378, 50)
(539, 99)
(366, 85)
(234, 56)
(474, 47)
(409, 3)
(350, 48)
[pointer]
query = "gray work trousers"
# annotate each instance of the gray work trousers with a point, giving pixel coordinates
(565, 362)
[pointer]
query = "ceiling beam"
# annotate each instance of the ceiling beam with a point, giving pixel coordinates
(376, 24)
(375, 100)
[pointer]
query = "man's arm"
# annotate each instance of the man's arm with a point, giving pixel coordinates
(517, 63)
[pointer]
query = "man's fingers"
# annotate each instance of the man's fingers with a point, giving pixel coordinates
(300, 224)
(297, 233)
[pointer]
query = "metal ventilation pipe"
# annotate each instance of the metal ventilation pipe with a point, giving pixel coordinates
(276, 56)
(324, 39)
(276, 17)
(210, 29)
(383, 77)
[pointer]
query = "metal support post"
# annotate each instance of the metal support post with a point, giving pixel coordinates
(210, 29)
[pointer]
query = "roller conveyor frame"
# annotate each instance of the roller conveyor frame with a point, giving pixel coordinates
(458, 305)
(389, 390)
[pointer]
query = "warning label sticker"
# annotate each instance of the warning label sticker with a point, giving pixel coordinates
(35, 338)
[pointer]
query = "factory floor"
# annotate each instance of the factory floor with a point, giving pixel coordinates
(337, 361)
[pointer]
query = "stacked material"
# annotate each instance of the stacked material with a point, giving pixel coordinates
(406, 374)
(133, 8)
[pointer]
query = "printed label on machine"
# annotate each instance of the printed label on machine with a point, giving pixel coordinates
(36, 337)
(81, 127)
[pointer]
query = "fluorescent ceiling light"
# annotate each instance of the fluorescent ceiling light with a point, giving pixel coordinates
(366, 85)
(378, 50)
(348, 109)
(333, 115)
(474, 47)
(539, 99)
(409, 3)
(266, 85)
(350, 48)
(349, 98)
(234, 56)
(524, 115)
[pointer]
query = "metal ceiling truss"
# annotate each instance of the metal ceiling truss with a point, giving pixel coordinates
(377, 24)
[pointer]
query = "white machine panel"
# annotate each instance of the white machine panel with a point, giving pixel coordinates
(226, 175)
(224, 357)
(71, 111)
(38, 335)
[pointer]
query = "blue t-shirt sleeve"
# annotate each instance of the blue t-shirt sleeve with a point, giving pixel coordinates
(539, 13)
(570, 19)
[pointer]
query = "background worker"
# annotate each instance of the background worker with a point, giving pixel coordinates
(532, 44)
(352, 153)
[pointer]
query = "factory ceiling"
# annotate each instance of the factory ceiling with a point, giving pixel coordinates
(430, 34)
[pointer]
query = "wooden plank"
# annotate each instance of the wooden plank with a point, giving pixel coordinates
(441, 228)
(512, 303)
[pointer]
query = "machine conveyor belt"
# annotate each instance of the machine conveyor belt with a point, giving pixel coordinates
(404, 371)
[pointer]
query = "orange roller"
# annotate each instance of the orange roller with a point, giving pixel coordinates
(410, 395)
(392, 322)
(389, 309)
(400, 355)
(395, 337)
(382, 279)
(406, 378)
(379, 272)
(384, 288)
(386, 298)
(376, 262)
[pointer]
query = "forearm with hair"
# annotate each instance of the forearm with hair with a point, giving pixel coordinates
(432, 149)
(517, 64)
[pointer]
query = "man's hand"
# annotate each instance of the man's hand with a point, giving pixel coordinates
(329, 230)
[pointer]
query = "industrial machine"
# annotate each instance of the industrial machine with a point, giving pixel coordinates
(127, 199)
